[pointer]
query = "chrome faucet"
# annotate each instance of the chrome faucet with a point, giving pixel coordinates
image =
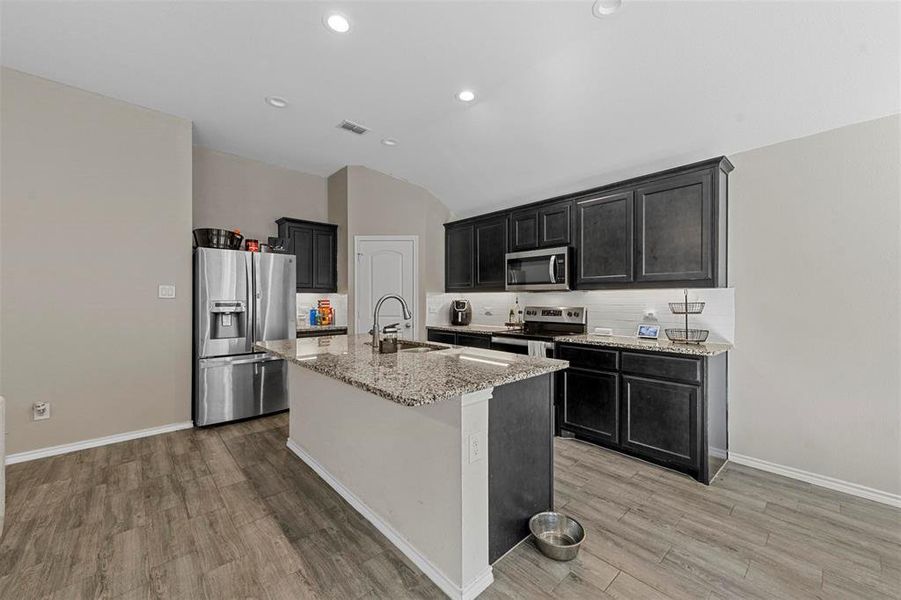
(375, 316)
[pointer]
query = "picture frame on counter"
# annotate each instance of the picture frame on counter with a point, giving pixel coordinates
(648, 332)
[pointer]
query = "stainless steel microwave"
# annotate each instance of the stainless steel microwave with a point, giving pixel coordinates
(538, 270)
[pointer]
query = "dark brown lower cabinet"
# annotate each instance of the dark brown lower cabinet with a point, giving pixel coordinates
(473, 340)
(591, 404)
(660, 419)
(664, 408)
(442, 337)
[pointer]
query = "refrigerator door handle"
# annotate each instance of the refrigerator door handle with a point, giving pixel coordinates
(253, 285)
(238, 360)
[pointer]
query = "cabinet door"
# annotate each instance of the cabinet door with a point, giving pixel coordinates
(524, 230)
(302, 247)
(661, 420)
(458, 246)
(490, 251)
(591, 404)
(474, 340)
(674, 229)
(444, 337)
(604, 240)
(324, 260)
(554, 224)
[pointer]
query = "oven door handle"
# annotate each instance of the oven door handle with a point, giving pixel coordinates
(550, 269)
(508, 341)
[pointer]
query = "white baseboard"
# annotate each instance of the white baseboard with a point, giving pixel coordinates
(95, 442)
(472, 590)
(717, 452)
(854, 489)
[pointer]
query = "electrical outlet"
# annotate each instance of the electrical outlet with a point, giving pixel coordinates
(40, 411)
(166, 291)
(477, 444)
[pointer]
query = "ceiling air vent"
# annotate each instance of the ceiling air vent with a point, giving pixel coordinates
(353, 127)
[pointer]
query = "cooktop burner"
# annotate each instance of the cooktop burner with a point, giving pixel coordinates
(546, 322)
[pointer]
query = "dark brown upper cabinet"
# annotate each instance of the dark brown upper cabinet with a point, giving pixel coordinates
(524, 230)
(666, 229)
(555, 224)
(674, 229)
(541, 227)
(474, 255)
(490, 251)
(604, 246)
(458, 253)
(315, 246)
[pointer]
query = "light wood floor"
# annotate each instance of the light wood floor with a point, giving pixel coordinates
(228, 512)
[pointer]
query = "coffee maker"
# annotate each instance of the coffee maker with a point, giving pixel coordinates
(461, 312)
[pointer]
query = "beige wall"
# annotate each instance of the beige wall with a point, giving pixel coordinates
(232, 192)
(378, 204)
(814, 259)
(337, 214)
(96, 213)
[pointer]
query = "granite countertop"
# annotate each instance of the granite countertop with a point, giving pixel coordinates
(321, 327)
(410, 378)
(633, 343)
(609, 341)
(472, 328)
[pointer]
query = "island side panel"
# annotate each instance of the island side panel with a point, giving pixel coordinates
(520, 460)
(403, 463)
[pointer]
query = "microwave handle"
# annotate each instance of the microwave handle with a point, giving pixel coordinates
(550, 269)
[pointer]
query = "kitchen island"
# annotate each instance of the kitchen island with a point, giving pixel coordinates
(446, 450)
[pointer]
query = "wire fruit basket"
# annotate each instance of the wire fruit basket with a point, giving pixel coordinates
(686, 335)
(686, 308)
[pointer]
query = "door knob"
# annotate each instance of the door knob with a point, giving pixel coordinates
(407, 325)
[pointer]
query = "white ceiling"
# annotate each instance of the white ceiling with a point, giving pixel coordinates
(565, 100)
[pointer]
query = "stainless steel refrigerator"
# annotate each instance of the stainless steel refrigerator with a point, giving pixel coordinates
(240, 298)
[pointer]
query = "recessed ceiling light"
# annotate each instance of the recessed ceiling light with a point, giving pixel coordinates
(603, 8)
(389, 142)
(276, 102)
(466, 96)
(338, 23)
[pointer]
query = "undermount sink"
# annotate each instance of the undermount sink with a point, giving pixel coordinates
(416, 349)
(411, 347)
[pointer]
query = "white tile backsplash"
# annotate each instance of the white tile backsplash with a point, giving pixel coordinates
(307, 301)
(619, 310)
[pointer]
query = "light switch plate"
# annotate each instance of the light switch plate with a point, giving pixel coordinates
(167, 291)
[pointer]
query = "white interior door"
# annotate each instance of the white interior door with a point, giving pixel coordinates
(385, 265)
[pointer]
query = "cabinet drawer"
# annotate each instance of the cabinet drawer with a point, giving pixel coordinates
(584, 357)
(443, 337)
(663, 367)
(474, 340)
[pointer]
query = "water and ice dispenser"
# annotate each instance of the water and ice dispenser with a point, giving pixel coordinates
(228, 319)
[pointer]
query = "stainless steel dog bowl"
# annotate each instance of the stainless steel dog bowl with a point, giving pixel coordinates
(556, 535)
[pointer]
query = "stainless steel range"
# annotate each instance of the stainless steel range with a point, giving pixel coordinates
(541, 324)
